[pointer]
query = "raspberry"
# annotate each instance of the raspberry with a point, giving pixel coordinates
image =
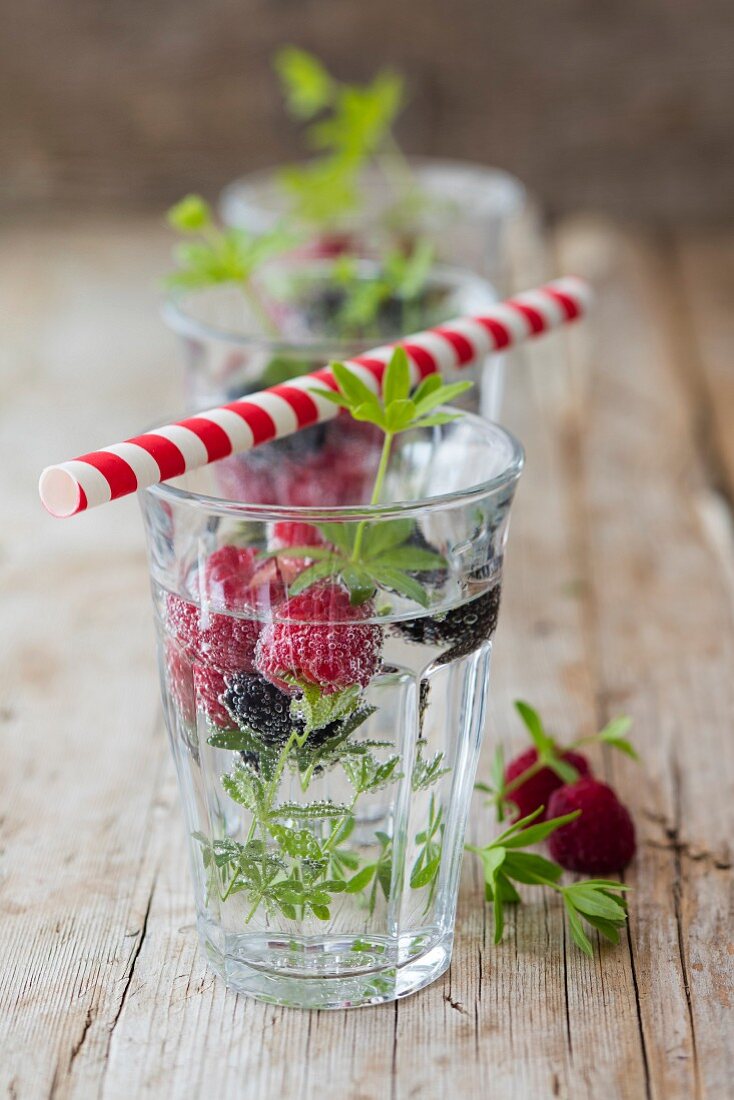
(209, 684)
(602, 839)
(320, 647)
(225, 642)
(537, 790)
(467, 626)
(296, 534)
(228, 572)
(189, 683)
(180, 683)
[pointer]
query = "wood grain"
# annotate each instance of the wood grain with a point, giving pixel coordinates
(618, 599)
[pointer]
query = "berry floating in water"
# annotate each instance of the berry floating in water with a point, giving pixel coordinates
(320, 647)
(261, 706)
(464, 627)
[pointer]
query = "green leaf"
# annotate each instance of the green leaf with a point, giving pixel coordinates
(536, 833)
(440, 395)
(422, 876)
(497, 771)
(317, 553)
(245, 788)
(543, 743)
(370, 412)
(233, 740)
(339, 534)
(331, 395)
(530, 868)
(298, 843)
(593, 902)
(504, 890)
(320, 911)
(411, 557)
(518, 825)
(562, 768)
(190, 214)
(396, 379)
(314, 573)
(359, 582)
(379, 537)
(361, 879)
(319, 710)
(306, 83)
(436, 420)
(308, 811)
(426, 386)
(609, 930)
(615, 729)
(577, 931)
(399, 415)
(352, 386)
(400, 582)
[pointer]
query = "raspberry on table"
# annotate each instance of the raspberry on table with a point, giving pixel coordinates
(537, 789)
(602, 839)
(319, 645)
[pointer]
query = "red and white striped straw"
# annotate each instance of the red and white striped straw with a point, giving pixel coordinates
(123, 468)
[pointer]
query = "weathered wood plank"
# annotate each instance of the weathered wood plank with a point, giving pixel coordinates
(81, 760)
(663, 642)
(103, 992)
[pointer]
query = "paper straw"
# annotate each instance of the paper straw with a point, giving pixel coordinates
(122, 468)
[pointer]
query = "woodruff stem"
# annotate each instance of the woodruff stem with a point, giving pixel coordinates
(376, 491)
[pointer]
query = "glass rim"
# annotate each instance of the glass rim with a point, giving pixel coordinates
(275, 513)
(516, 193)
(183, 323)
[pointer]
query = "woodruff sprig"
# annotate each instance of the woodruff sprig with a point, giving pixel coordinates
(210, 255)
(364, 556)
(350, 124)
(549, 755)
(598, 902)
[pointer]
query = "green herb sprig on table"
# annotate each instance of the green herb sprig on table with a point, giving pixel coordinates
(599, 903)
(366, 556)
(550, 755)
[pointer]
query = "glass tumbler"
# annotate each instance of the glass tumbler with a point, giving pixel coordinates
(469, 212)
(298, 317)
(324, 671)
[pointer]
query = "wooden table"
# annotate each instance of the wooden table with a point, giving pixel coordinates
(619, 599)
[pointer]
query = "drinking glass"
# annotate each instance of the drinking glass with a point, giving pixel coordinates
(324, 671)
(469, 212)
(297, 317)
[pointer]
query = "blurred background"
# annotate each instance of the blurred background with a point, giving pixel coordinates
(623, 107)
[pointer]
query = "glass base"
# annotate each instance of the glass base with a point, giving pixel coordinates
(326, 973)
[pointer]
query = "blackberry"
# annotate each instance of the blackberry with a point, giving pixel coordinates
(266, 710)
(466, 627)
(260, 705)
